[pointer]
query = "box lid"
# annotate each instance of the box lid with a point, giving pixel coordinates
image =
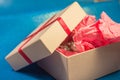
(47, 38)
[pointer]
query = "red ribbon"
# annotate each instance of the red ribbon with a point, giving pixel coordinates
(61, 22)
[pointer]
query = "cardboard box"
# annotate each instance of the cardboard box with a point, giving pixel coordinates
(46, 38)
(88, 65)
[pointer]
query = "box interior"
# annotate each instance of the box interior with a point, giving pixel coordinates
(102, 35)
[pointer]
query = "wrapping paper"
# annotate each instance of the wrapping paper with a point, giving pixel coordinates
(91, 33)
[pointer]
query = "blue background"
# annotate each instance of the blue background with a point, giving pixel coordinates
(19, 17)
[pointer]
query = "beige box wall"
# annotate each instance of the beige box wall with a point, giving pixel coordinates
(88, 65)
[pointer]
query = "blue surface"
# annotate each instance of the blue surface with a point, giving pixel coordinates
(19, 17)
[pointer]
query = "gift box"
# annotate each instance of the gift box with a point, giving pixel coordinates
(88, 65)
(46, 38)
(91, 61)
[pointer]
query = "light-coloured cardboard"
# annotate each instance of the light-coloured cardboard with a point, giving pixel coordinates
(88, 65)
(46, 41)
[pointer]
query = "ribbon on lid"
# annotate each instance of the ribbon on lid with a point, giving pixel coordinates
(61, 22)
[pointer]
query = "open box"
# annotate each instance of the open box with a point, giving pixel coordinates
(88, 65)
(39, 10)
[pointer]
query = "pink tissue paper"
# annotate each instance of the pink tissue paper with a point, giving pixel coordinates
(91, 33)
